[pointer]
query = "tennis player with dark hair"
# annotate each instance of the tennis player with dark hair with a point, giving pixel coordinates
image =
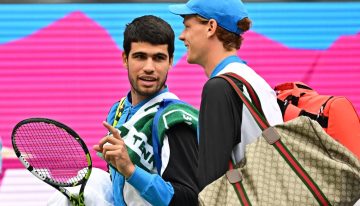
(213, 34)
(138, 176)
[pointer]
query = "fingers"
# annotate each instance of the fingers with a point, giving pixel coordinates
(115, 132)
(107, 140)
(117, 156)
(97, 148)
(113, 153)
(101, 143)
(111, 140)
(109, 147)
(114, 144)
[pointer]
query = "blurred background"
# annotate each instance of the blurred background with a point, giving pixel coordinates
(62, 60)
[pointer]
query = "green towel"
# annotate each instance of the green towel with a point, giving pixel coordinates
(137, 132)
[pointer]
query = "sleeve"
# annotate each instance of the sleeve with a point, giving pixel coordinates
(177, 186)
(151, 187)
(219, 129)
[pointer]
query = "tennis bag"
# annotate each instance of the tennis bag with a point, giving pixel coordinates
(335, 114)
(296, 163)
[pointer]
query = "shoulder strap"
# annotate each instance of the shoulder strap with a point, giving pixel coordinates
(119, 111)
(253, 96)
(254, 108)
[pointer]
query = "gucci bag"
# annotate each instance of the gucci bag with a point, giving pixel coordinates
(295, 163)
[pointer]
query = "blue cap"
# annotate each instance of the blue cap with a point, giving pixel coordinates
(226, 12)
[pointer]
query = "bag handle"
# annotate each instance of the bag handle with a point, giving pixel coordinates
(273, 138)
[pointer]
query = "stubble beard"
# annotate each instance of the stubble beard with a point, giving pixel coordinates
(145, 92)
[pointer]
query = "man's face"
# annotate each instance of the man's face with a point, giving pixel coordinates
(147, 66)
(194, 36)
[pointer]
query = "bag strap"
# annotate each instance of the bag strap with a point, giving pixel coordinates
(258, 115)
(273, 138)
(253, 96)
(234, 177)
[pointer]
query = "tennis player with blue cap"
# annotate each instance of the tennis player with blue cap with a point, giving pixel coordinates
(213, 34)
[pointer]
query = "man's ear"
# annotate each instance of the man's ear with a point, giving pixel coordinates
(212, 25)
(125, 60)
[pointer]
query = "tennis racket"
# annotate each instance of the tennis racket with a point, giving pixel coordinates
(54, 153)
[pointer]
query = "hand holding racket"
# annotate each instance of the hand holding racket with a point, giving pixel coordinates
(54, 153)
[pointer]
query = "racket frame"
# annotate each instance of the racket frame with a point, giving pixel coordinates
(76, 200)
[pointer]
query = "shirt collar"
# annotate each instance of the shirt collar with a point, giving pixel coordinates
(225, 62)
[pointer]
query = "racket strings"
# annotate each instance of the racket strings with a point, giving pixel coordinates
(52, 152)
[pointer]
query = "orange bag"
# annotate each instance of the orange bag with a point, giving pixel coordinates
(335, 114)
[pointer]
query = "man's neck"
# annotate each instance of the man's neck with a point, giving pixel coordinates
(137, 98)
(214, 58)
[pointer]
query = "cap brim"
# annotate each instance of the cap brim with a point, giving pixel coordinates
(180, 9)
